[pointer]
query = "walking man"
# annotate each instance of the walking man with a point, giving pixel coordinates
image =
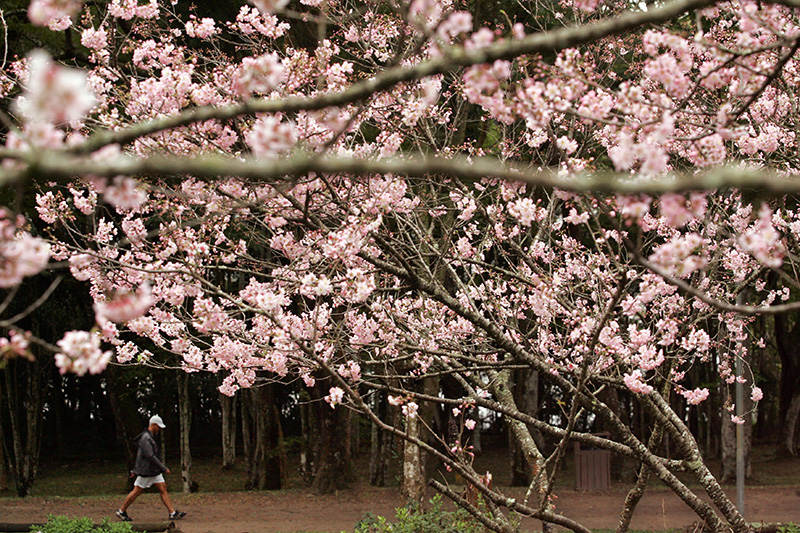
(149, 470)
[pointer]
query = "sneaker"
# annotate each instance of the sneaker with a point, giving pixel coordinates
(176, 515)
(123, 515)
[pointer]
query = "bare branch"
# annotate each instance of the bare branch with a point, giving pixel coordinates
(60, 166)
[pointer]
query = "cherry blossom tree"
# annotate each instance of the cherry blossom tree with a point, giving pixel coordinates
(595, 191)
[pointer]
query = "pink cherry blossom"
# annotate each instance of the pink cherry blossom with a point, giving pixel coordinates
(81, 353)
(756, 394)
(124, 307)
(270, 136)
(21, 254)
(125, 194)
(53, 94)
(269, 6)
(526, 211)
(259, 75)
(203, 29)
(251, 20)
(351, 371)
(763, 240)
(636, 383)
(410, 409)
(95, 39)
(395, 400)
(43, 12)
(15, 345)
(696, 396)
(335, 396)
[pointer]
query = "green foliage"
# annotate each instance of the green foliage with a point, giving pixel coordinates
(63, 524)
(416, 520)
(791, 527)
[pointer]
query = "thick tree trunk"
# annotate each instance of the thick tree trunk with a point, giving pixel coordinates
(413, 487)
(525, 385)
(265, 471)
(185, 407)
(123, 407)
(635, 494)
(24, 399)
(246, 402)
(228, 404)
(522, 434)
(57, 405)
(3, 455)
(377, 470)
(788, 343)
(787, 444)
(24, 396)
(729, 440)
(334, 469)
(475, 439)
(257, 471)
(307, 442)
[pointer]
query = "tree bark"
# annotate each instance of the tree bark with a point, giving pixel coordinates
(307, 442)
(24, 396)
(265, 471)
(228, 405)
(185, 408)
(377, 472)
(525, 387)
(788, 343)
(246, 402)
(729, 440)
(334, 469)
(413, 488)
(534, 459)
(126, 419)
(3, 455)
(635, 494)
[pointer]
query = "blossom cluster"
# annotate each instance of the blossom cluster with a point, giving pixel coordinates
(21, 254)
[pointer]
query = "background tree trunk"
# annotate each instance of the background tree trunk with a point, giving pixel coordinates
(258, 472)
(377, 470)
(788, 343)
(413, 486)
(228, 406)
(24, 399)
(334, 469)
(525, 385)
(307, 438)
(185, 408)
(729, 439)
(246, 404)
(126, 417)
(3, 455)
(265, 471)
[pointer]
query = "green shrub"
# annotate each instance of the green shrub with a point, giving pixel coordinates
(63, 524)
(415, 520)
(791, 527)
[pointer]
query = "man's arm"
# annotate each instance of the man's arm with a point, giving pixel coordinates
(148, 450)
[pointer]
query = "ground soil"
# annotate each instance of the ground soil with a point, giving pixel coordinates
(295, 510)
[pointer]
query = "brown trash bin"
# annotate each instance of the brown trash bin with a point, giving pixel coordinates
(592, 468)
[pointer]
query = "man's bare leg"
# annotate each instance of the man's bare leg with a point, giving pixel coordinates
(162, 488)
(131, 497)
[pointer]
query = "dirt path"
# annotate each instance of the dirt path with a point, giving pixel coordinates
(292, 511)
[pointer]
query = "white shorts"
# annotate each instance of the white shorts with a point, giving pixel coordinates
(149, 481)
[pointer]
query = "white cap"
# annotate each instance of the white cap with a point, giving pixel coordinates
(155, 419)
